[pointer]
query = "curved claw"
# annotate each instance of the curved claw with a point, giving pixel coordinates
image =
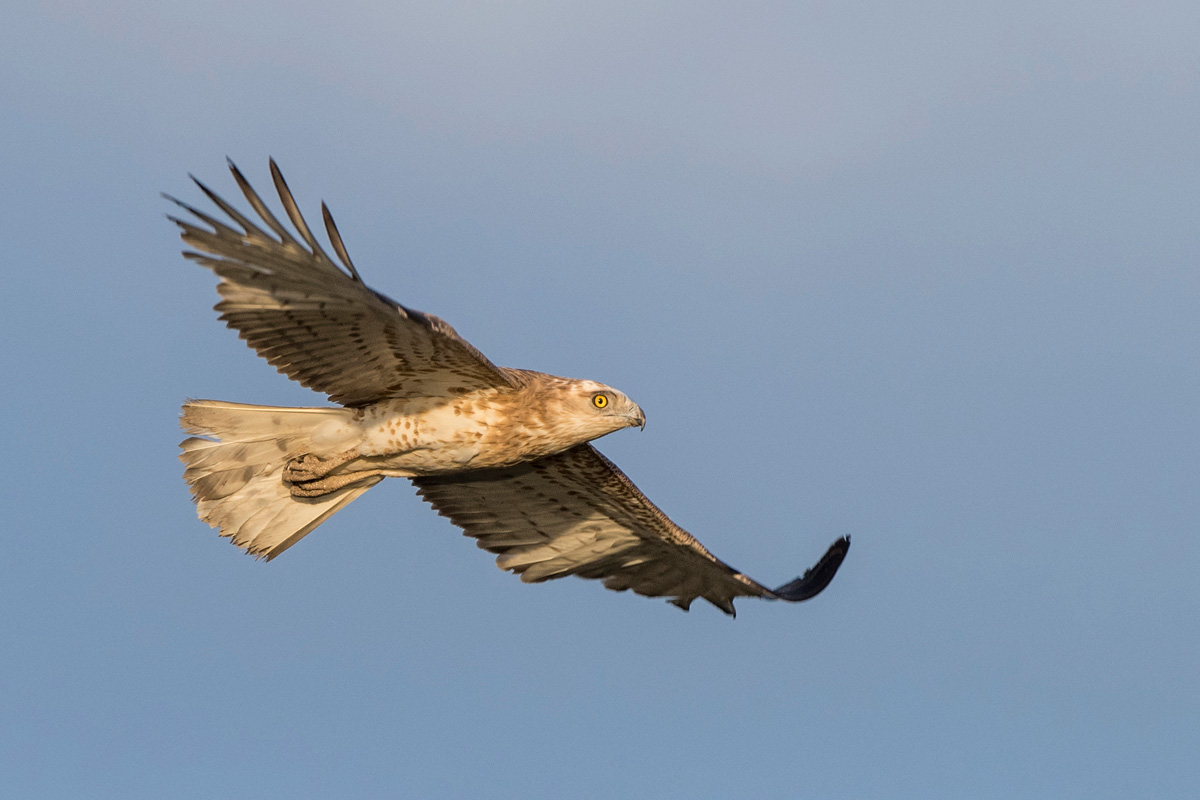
(816, 577)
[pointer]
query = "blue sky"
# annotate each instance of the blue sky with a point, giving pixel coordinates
(921, 273)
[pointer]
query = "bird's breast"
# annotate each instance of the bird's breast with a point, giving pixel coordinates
(428, 436)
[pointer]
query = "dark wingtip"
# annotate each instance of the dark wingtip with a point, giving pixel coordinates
(817, 577)
(335, 239)
(233, 168)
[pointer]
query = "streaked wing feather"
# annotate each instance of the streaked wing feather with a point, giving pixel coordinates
(575, 513)
(314, 320)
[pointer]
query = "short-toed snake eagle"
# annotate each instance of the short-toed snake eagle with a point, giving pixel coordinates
(503, 453)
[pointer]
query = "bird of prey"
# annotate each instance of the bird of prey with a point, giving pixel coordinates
(504, 453)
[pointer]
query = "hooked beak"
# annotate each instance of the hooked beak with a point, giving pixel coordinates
(636, 417)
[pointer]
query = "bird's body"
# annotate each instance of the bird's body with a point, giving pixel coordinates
(482, 428)
(485, 428)
(502, 452)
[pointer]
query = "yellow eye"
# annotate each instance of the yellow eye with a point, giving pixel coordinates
(600, 400)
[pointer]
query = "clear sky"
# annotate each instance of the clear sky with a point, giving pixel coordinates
(922, 273)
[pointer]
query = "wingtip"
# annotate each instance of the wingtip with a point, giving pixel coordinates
(237, 173)
(335, 238)
(818, 576)
(170, 198)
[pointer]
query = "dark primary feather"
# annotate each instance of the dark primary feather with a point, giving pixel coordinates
(576, 513)
(816, 577)
(317, 322)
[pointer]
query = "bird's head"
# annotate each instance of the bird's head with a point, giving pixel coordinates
(603, 408)
(560, 413)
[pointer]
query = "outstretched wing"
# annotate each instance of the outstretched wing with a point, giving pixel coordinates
(575, 513)
(317, 323)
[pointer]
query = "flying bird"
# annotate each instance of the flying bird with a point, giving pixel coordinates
(504, 453)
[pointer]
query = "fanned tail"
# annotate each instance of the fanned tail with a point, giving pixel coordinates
(236, 475)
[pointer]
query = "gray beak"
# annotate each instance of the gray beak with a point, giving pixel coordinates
(636, 417)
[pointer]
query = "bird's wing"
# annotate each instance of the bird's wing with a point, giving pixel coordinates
(318, 323)
(575, 513)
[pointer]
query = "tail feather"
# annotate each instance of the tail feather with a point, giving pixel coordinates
(236, 477)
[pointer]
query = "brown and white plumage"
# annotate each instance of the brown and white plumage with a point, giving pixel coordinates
(501, 452)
